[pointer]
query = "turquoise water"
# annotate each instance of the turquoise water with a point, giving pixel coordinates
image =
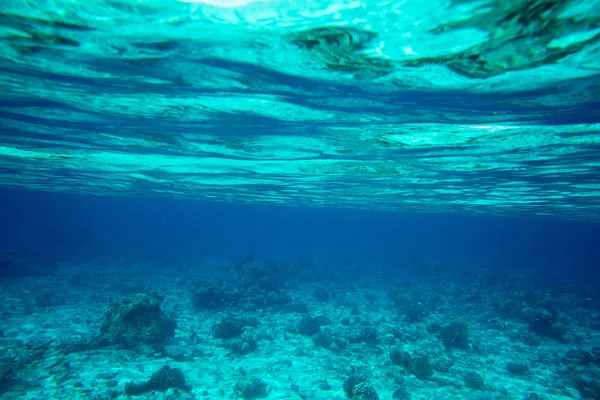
(303, 200)
(487, 107)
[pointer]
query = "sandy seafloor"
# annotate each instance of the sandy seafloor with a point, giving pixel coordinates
(291, 364)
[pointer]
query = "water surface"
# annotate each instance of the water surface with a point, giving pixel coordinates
(480, 107)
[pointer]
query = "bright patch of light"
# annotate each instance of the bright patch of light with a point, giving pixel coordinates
(223, 3)
(408, 50)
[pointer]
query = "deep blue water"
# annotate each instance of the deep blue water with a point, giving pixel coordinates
(76, 228)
